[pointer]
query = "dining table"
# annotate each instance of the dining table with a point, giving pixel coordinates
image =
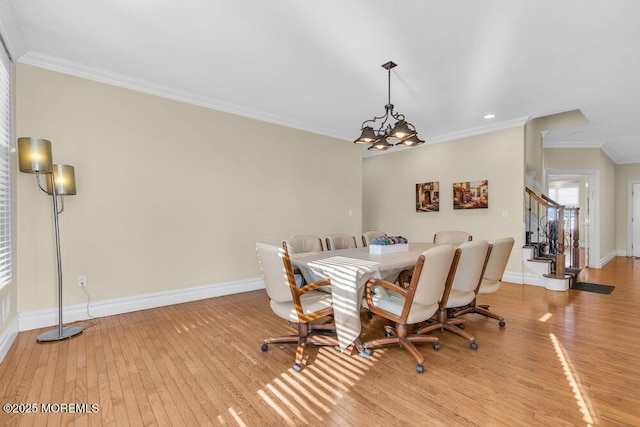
(349, 270)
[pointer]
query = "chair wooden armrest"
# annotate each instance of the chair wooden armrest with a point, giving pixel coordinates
(387, 285)
(314, 285)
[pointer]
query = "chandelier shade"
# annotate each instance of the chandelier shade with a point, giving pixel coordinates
(381, 145)
(378, 135)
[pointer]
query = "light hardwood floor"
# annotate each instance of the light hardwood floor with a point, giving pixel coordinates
(564, 358)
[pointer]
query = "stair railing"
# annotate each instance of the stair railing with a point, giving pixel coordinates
(553, 223)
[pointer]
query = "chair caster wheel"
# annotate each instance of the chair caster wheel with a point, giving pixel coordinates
(461, 326)
(366, 352)
(419, 369)
(473, 345)
(501, 323)
(369, 315)
(387, 334)
(297, 367)
(265, 347)
(436, 346)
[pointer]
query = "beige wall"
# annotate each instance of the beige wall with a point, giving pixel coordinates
(625, 174)
(608, 206)
(587, 159)
(534, 134)
(389, 185)
(533, 156)
(170, 195)
(592, 160)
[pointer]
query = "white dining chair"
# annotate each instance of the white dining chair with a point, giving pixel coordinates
(451, 237)
(471, 266)
(300, 307)
(303, 243)
(492, 280)
(368, 236)
(340, 241)
(432, 274)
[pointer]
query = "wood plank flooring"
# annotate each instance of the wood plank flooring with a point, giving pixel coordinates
(563, 359)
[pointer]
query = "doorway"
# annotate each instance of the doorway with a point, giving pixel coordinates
(634, 220)
(578, 189)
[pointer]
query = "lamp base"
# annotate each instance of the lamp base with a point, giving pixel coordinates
(54, 334)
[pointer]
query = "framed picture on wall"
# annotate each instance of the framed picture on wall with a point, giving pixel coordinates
(428, 197)
(471, 194)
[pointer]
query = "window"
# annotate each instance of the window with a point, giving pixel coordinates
(6, 271)
(566, 193)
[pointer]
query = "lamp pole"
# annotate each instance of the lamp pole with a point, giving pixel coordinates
(61, 332)
(34, 156)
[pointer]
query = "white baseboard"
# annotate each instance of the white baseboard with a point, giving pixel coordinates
(49, 317)
(8, 337)
(533, 279)
(604, 261)
(512, 277)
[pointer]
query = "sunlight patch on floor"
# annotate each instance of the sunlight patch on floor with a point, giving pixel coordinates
(573, 382)
(546, 317)
(236, 417)
(307, 397)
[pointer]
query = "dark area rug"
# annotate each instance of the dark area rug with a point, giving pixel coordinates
(593, 287)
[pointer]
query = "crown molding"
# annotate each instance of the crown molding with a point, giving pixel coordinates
(573, 144)
(52, 63)
(480, 130)
(465, 133)
(592, 144)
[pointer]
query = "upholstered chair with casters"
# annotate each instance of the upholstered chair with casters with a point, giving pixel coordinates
(299, 306)
(303, 243)
(368, 236)
(340, 241)
(451, 237)
(471, 265)
(432, 274)
(492, 280)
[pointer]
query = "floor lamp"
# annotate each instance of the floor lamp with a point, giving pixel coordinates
(34, 156)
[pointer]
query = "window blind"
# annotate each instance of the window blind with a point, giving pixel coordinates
(5, 170)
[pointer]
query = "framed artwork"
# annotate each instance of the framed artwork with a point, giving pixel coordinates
(428, 197)
(471, 195)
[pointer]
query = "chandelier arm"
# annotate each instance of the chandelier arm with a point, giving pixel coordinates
(397, 116)
(376, 118)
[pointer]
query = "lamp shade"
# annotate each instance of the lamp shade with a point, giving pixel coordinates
(380, 145)
(412, 141)
(65, 179)
(401, 130)
(368, 136)
(34, 155)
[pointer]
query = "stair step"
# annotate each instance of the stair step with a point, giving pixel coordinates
(542, 260)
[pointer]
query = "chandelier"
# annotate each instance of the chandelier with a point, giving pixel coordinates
(402, 131)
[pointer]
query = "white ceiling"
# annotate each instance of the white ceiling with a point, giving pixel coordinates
(316, 65)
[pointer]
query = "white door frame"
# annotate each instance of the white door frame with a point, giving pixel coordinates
(630, 216)
(592, 175)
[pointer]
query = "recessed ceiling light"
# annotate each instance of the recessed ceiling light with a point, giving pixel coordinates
(489, 116)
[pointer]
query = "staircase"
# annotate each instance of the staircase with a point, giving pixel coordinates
(551, 228)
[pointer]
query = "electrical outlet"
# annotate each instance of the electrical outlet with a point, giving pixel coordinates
(82, 281)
